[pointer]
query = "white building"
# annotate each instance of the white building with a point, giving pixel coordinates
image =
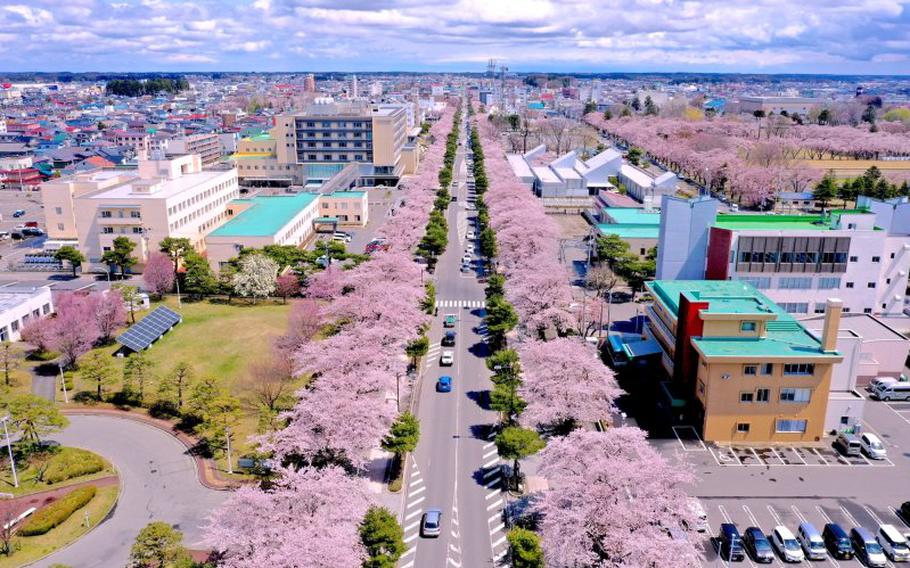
(18, 306)
(567, 175)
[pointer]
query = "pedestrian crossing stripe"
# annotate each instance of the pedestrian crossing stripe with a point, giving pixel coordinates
(461, 304)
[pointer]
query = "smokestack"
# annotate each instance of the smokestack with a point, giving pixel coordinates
(833, 310)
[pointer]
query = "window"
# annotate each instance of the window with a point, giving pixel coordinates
(887, 281)
(59, 226)
(867, 310)
(884, 306)
(46, 309)
(14, 326)
(795, 395)
(851, 225)
(750, 370)
(795, 426)
(4, 333)
(759, 282)
(59, 211)
(849, 284)
(767, 369)
(876, 259)
(107, 214)
(745, 397)
(748, 326)
(107, 230)
(135, 214)
(892, 255)
(870, 284)
(854, 259)
(820, 308)
(701, 387)
(762, 395)
(799, 368)
(137, 230)
(792, 283)
(795, 307)
(742, 427)
(828, 283)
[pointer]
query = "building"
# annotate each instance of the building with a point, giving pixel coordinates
(21, 179)
(331, 134)
(778, 105)
(637, 227)
(644, 186)
(171, 197)
(18, 306)
(207, 145)
(140, 142)
(309, 83)
(566, 176)
(749, 371)
(859, 255)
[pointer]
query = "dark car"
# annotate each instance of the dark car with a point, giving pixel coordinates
(444, 384)
(448, 340)
(905, 511)
(32, 232)
(758, 546)
(730, 543)
(838, 541)
(19, 213)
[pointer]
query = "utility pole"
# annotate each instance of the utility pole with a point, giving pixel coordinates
(9, 448)
(66, 398)
(227, 437)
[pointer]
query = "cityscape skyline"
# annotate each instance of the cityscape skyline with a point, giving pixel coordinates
(767, 36)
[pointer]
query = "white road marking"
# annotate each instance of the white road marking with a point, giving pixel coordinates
(418, 491)
(409, 564)
(491, 472)
(412, 514)
(498, 528)
(416, 502)
(495, 504)
(454, 562)
(494, 517)
(491, 484)
(491, 462)
(409, 551)
(411, 526)
(489, 445)
(415, 482)
(492, 494)
(412, 537)
(498, 542)
(490, 452)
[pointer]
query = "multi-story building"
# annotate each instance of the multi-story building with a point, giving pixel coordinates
(331, 134)
(162, 198)
(19, 306)
(768, 105)
(140, 142)
(206, 145)
(859, 255)
(749, 371)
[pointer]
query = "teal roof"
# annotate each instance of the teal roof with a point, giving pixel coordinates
(343, 194)
(265, 216)
(628, 231)
(765, 222)
(630, 222)
(785, 336)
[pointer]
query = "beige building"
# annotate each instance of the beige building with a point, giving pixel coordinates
(169, 197)
(207, 146)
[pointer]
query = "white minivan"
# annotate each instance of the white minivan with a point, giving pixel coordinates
(873, 446)
(893, 390)
(893, 543)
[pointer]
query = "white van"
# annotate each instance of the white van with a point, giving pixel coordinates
(812, 542)
(341, 236)
(893, 543)
(878, 381)
(892, 391)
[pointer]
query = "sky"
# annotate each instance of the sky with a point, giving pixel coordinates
(753, 36)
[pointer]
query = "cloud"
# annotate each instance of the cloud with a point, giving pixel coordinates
(598, 35)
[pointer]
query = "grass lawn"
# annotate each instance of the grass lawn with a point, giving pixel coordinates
(31, 548)
(27, 473)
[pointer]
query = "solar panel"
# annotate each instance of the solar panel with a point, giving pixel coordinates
(147, 330)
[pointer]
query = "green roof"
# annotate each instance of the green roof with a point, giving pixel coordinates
(343, 194)
(265, 216)
(261, 137)
(785, 336)
(766, 222)
(624, 231)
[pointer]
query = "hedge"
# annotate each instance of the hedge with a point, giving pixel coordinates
(58, 511)
(70, 463)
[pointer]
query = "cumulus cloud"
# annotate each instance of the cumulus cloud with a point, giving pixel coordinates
(599, 35)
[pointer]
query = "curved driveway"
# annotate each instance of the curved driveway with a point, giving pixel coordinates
(159, 483)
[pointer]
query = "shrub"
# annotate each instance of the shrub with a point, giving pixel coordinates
(58, 511)
(70, 463)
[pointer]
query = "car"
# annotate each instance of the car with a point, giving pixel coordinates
(848, 444)
(730, 543)
(341, 236)
(465, 268)
(4, 235)
(470, 206)
(892, 391)
(812, 542)
(449, 320)
(877, 382)
(893, 543)
(32, 232)
(466, 259)
(758, 546)
(787, 545)
(447, 359)
(448, 339)
(470, 235)
(838, 541)
(431, 523)
(873, 446)
(18, 213)
(701, 517)
(444, 384)
(867, 548)
(905, 511)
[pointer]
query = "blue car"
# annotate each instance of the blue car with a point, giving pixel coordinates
(444, 384)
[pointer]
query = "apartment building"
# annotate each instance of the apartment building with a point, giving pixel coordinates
(329, 133)
(859, 255)
(207, 145)
(749, 371)
(140, 142)
(164, 197)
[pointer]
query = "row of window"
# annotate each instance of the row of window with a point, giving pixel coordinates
(799, 395)
(755, 369)
(780, 426)
(331, 145)
(339, 157)
(15, 325)
(201, 196)
(204, 210)
(108, 214)
(108, 230)
(336, 124)
(790, 257)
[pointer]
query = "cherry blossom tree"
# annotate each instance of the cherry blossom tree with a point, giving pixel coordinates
(158, 275)
(565, 383)
(256, 277)
(611, 501)
(309, 518)
(287, 285)
(75, 327)
(39, 332)
(108, 310)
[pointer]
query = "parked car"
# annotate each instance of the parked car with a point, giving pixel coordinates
(786, 544)
(873, 446)
(18, 213)
(4, 235)
(905, 511)
(470, 235)
(892, 391)
(447, 359)
(867, 548)
(466, 259)
(838, 541)
(730, 543)
(812, 542)
(758, 546)
(893, 543)
(466, 268)
(431, 523)
(32, 232)
(448, 339)
(449, 320)
(341, 236)
(878, 381)
(701, 517)
(444, 384)
(848, 444)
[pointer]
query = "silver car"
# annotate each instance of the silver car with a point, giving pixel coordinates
(431, 523)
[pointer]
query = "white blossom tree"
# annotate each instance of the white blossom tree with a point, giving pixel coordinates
(256, 277)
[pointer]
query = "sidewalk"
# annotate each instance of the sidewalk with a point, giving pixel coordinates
(206, 472)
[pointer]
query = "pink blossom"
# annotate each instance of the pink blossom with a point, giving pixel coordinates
(158, 275)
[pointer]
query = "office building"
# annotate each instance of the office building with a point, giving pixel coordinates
(748, 371)
(860, 255)
(207, 145)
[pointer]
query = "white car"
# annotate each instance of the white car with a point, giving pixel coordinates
(873, 446)
(447, 358)
(787, 545)
(470, 235)
(466, 259)
(470, 206)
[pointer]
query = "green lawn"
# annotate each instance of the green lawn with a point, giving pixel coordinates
(31, 548)
(28, 473)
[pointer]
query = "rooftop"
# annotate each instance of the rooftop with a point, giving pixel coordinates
(785, 336)
(265, 216)
(12, 297)
(631, 223)
(765, 222)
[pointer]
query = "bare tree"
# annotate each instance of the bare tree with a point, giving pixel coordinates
(603, 280)
(10, 358)
(7, 515)
(559, 130)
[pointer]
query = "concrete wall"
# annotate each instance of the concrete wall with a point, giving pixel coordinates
(683, 237)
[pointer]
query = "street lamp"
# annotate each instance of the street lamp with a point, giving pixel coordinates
(9, 448)
(66, 398)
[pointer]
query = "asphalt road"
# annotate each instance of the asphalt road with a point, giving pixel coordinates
(158, 484)
(447, 471)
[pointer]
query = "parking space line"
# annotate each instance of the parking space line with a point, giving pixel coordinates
(775, 515)
(416, 502)
(798, 513)
(490, 472)
(697, 437)
(820, 456)
(849, 516)
(798, 455)
(872, 514)
(757, 458)
(412, 514)
(777, 455)
(494, 504)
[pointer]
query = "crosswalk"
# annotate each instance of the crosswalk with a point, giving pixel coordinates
(432, 354)
(461, 304)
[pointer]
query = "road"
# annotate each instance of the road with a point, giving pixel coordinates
(455, 466)
(158, 484)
